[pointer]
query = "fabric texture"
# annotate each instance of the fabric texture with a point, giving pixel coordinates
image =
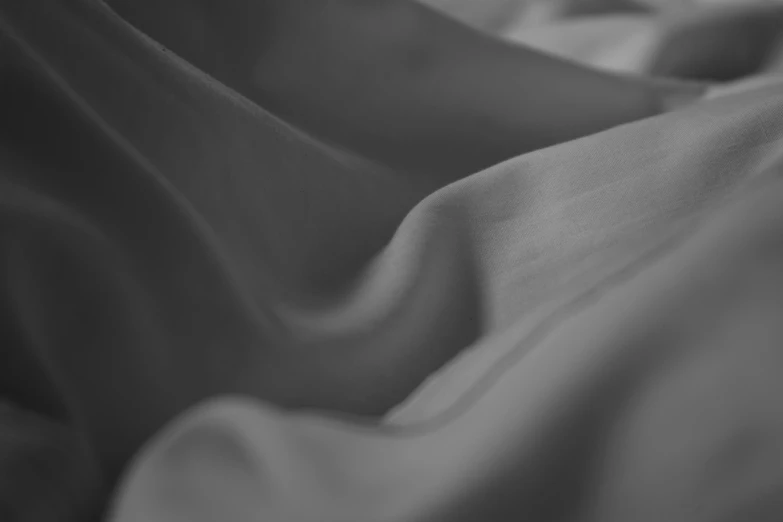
(347, 346)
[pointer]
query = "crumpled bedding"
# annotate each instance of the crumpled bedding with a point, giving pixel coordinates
(295, 334)
(617, 35)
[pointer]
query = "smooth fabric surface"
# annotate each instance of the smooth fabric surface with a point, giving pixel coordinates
(542, 331)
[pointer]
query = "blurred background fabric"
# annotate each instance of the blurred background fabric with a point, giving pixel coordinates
(610, 34)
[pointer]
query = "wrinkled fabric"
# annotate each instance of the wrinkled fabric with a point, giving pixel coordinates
(512, 16)
(617, 35)
(238, 256)
(529, 342)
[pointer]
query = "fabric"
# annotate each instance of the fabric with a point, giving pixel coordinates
(537, 336)
(627, 41)
(46, 470)
(616, 35)
(503, 16)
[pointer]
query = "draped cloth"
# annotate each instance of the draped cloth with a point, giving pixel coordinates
(297, 334)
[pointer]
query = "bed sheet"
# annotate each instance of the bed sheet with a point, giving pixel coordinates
(544, 330)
